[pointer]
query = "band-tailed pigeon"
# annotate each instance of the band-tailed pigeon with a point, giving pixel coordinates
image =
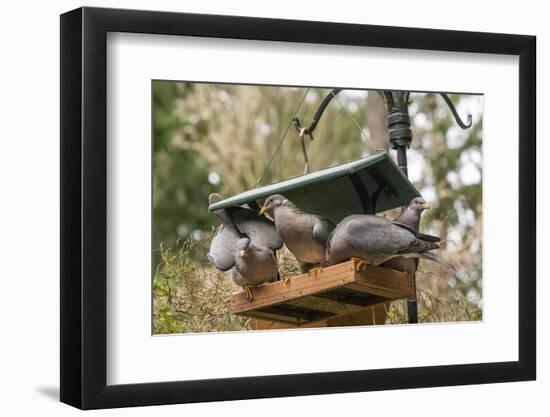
(244, 244)
(254, 266)
(305, 235)
(258, 228)
(376, 240)
(410, 217)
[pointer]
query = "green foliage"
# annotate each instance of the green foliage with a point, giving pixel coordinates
(189, 297)
(453, 171)
(180, 174)
(433, 308)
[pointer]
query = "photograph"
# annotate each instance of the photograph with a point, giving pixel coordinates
(285, 207)
(313, 207)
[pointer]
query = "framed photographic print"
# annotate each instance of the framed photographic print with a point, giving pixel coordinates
(257, 208)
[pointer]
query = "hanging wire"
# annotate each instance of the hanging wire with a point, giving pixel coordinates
(365, 137)
(281, 139)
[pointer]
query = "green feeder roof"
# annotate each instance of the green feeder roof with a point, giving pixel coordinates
(369, 185)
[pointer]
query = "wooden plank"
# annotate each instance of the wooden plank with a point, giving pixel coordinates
(377, 291)
(382, 281)
(289, 314)
(336, 294)
(304, 315)
(392, 278)
(374, 315)
(334, 307)
(260, 324)
(385, 282)
(353, 298)
(299, 286)
(263, 324)
(347, 296)
(273, 317)
(370, 316)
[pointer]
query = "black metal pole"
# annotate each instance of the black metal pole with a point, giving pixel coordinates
(399, 127)
(402, 160)
(412, 305)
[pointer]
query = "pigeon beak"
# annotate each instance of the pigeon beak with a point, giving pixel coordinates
(425, 206)
(263, 210)
(242, 252)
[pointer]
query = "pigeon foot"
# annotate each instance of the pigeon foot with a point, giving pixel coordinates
(360, 264)
(249, 293)
(287, 279)
(315, 270)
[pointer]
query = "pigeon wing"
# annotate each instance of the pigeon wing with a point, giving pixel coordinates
(378, 236)
(322, 229)
(222, 214)
(259, 229)
(428, 238)
(423, 236)
(418, 246)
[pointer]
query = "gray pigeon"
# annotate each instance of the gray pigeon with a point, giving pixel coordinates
(244, 244)
(254, 266)
(259, 229)
(376, 240)
(410, 217)
(305, 235)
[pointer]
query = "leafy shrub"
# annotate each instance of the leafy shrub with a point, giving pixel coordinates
(190, 297)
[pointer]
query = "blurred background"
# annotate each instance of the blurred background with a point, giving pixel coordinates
(219, 138)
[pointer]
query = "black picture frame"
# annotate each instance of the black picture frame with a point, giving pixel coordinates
(84, 207)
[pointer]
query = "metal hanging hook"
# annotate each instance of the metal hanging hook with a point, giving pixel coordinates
(455, 113)
(303, 132)
(308, 131)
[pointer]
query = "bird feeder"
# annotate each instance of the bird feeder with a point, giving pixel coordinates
(340, 294)
(369, 185)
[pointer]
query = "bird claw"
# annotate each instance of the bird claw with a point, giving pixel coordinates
(361, 264)
(249, 294)
(287, 279)
(315, 270)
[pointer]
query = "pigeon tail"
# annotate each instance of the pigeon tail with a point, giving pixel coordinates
(435, 258)
(222, 214)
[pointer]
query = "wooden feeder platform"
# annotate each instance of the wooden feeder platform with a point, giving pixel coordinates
(323, 295)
